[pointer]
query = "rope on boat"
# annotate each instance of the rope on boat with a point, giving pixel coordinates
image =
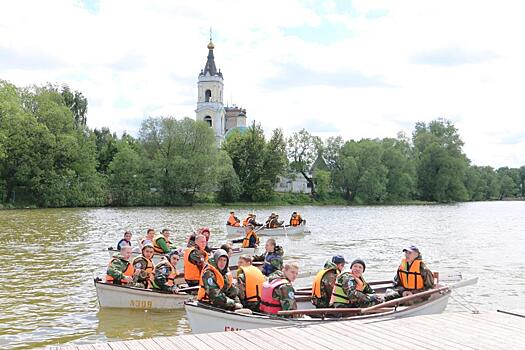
(464, 303)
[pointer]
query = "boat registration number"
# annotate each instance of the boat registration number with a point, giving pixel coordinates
(231, 329)
(141, 304)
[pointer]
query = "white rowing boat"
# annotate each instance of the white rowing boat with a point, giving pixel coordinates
(204, 318)
(279, 231)
(123, 297)
(234, 259)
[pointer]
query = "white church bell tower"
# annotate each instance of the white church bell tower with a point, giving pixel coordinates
(210, 107)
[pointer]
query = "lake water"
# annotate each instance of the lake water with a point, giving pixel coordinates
(50, 257)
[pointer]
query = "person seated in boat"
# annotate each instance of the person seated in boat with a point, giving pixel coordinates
(124, 241)
(194, 259)
(249, 283)
(324, 281)
(296, 219)
(144, 266)
(166, 272)
(351, 289)
(251, 219)
(273, 257)
(120, 270)
(216, 283)
(150, 235)
(251, 240)
(278, 293)
(205, 231)
(273, 221)
(162, 243)
(233, 220)
(227, 247)
(413, 275)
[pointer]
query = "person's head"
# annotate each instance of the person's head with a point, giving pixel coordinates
(200, 241)
(358, 267)
(127, 236)
(125, 251)
(245, 260)
(151, 233)
(294, 214)
(339, 261)
(173, 257)
(249, 227)
(166, 233)
(411, 253)
(291, 270)
(270, 245)
(221, 260)
(228, 249)
(206, 232)
(232, 212)
(147, 251)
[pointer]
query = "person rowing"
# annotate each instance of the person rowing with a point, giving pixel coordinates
(251, 219)
(251, 240)
(166, 272)
(249, 283)
(273, 257)
(194, 260)
(278, 293)
(296, 219)
(233, 220)
(273, 221)
(324, 281)
(124, 241)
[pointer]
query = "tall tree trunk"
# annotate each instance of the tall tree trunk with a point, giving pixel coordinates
(310, 181)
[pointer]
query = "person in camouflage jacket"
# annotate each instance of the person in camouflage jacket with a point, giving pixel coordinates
(120, 270)
(324, 281)
(214, 274)
(351, 289)
(285, 293)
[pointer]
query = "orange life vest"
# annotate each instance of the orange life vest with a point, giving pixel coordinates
(156, 246)
(192, 271)
(232, 221)
(129, 271)
(149, 267)
(316, 286)
(219, 278)
(171, 276)
(410, 278)
(247, 220)
(246, 240)
(294, 221)
(254, 280)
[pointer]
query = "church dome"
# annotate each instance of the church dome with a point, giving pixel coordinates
(211, 46)
(237, 129)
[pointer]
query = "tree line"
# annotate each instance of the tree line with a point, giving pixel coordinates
(50, 158)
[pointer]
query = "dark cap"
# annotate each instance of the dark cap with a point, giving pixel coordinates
(338, 259)
(359, 261)
(411, 248)
(172, 253)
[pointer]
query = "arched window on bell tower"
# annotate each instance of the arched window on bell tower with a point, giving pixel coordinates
(207, 96)
(207, 119)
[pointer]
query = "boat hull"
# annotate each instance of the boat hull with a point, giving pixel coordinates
(279, 231)
(205, 319)
(122, 297)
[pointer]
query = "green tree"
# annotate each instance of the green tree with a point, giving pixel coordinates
(228, 183)
(401, 170)
(303, 150)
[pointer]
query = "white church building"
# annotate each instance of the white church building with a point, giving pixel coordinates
(223, 119)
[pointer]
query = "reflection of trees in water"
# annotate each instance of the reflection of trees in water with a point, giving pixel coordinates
(117, 324)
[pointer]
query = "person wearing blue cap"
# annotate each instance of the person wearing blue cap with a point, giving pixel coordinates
(413, 275)
(325, 280)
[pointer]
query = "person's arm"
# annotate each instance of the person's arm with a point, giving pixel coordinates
(163, 245)
(238, 240)
(161, 277)
(286, 296)
(115, 269)
(349, 288)
(241, 286)
(428, 277)
(196, 258)
(215, 294)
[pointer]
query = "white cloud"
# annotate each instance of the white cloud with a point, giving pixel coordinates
(459, 60)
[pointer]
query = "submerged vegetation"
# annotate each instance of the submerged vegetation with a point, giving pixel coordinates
(50, 158)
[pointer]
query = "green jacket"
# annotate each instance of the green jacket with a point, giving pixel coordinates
(285, 293)
(164, 245)
(117, 267)
(224, 297)
(327, 285)
(345, 285)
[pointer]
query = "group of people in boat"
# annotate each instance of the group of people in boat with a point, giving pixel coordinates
(267, 288)
(271, 222)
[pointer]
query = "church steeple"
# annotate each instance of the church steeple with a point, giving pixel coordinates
(210, 67)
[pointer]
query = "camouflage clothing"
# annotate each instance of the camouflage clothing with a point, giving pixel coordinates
(285, 293)
(161, 280)
(225, 297)
(428, 282)
(364, 298)
(327, 285)
(117, 267)
(143, 278)
(273, 261)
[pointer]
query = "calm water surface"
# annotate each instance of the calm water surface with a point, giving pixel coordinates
(49, 258)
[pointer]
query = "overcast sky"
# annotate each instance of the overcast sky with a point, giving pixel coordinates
(359, 69)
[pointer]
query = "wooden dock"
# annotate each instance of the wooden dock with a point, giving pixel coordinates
(444, 331)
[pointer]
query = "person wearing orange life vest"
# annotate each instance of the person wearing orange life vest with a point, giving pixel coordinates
(120, 270)
(351, 289)
(296, 219)
(249, 283)
(216, 283)
(233, 220)
(162, 243)
(413, 275)
(278, 293)
(148, 238)
(195, 258)
(144, 266)
(251, 240)
(165, 273)
(324, 281)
